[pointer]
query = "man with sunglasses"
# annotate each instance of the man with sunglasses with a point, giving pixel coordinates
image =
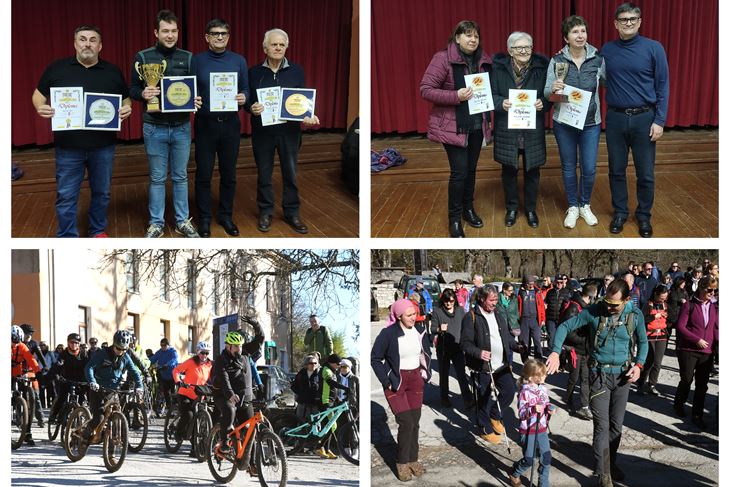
(675, 271)
(195, 371)
(646, 282)
(554, 301)
(70, 365)
(611, 369)
(637, 94)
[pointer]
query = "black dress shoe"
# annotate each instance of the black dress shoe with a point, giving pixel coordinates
(510, 217)
(645, 229)
(230, 228)
(264, 224)
(456, 230)
(297, 224)
(679, 409)
(699, 422)
(204, 229)
(617, 224)
(472, 218)
(532, 219)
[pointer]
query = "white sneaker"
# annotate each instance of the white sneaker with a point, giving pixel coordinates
(588, 216)
(571, 217)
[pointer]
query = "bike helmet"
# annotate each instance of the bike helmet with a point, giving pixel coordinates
(204, 347)
(122, 339)
(73, 336)
(234, 338)
(17, 334)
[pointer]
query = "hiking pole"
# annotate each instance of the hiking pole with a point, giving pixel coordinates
(534, 449)
(474, 378)
(499, 408)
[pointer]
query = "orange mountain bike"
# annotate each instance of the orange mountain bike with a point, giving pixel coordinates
(252, 437)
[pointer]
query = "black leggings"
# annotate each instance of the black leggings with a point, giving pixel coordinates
(463, 163)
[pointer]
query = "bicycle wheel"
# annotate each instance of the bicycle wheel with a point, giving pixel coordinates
(223, 467)
(202, 424)
(55, 426)
(271, 460)
(18, 422)
(115, 441)
(292, 445)
(73, 434)
(171, 442)
(348, 440)
(137, 425)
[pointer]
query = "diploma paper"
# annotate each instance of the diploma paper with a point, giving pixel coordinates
(270, 98)
(522, 113)
(574, 111)
(481, 101)
(68, 104)
(223, 90)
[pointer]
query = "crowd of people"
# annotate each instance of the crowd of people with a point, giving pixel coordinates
(608, 334)
(635, 73)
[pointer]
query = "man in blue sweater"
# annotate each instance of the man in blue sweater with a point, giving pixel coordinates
(217, 125)
(166, 360)
(276, 70)
(637, 93)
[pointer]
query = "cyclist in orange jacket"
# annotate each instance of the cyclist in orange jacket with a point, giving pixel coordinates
(197, 372)
(22, 362)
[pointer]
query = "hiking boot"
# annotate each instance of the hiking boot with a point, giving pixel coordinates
(587, 215)
(571, 217)
(154, 231)
(492, 438)
(497, 426)
(445, 402)
(417, 469)
(514, 481)
(584, 414)
(617, 473)
(604, 481)
(187, 228)
(404, 472)
(652, 390)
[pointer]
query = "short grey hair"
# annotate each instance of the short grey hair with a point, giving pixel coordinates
(271, 32)
(516, 36)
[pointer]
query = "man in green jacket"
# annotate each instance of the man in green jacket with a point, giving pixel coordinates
(317, 338)
(611, 322)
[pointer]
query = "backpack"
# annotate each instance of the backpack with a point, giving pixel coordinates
(564, 309)
(630, 328)
(380, 161)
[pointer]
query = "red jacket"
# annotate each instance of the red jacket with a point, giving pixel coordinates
(21, 360)
(691, 327)
(540, 304)
(196, 374)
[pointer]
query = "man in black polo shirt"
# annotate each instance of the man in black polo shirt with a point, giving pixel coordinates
(166, 135)
(78, 150)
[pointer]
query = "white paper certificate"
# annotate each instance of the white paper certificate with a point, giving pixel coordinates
(270, 98)
(522, 113)
(223, 90)
(481, 100)
(574, 111)
(68, 104)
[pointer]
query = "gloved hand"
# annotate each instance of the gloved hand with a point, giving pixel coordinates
(234, 399)
(139, 393)
(94, 387)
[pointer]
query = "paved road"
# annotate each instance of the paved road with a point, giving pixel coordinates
(46, 465)
(657, 448)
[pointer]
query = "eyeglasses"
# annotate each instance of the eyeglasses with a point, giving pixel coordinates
(626, 20)
(218, 34)
(675, 265)
(450, 300)
(119, 349)
(522, 49)
(203, 353)
(648, 268)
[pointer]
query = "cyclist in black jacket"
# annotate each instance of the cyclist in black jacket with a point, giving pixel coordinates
(70, 365)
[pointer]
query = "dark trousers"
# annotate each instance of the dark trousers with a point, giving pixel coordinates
(264, 146)
(653, 364)
(406, 405)
(185, 409)
(96, 406)
(579, 372)
(221, 138)
(452, 354)
(167, 386)
(551, 327)
(623, 133)
(487, 407)
(511, 192)
(609, 395)
(230, 412)
(697, 366)
(47, 390)
(463, 164)
(529, 328)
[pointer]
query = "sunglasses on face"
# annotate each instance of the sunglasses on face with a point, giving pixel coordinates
(118, 349)
(611, 302)
(73, 343)
(203, 353)
(710, 291)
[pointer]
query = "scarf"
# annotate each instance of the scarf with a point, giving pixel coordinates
(518, 73)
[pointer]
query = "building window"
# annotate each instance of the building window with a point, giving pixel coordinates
(190, 340)
(131, 269)
(84, 318)
(164, 329)
(165, 276)
(270, 296)
(192, 301)
(133, 324)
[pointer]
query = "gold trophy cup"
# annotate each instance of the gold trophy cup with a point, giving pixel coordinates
(151, 74)
(561, 71)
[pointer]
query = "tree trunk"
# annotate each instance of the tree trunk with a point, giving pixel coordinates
(507, 265)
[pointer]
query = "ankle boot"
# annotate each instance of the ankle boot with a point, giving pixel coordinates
(456, 230)
(417, 469)
(404, 472)
(471, 217)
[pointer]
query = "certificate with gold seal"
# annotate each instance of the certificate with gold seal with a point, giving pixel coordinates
(68, 104)
(101, 111)
(223, 89)
(178, 93)
(297, 103)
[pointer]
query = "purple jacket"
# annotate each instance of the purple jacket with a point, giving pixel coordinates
(691, 327)
(437, 86)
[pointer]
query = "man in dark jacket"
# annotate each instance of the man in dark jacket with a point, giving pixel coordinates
(646, 283)
(554, 301)
(70, 366)
(485, 339)
(306, 386)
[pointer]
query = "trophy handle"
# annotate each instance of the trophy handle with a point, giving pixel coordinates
(136, 68)
(164, 66)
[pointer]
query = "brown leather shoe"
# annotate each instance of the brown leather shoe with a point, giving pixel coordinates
(497, 426)
(404, 472)
(417, 469)
(297, 224)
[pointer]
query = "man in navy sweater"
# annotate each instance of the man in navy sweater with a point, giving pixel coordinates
(637, 93)
(276, 70)
(218, 128)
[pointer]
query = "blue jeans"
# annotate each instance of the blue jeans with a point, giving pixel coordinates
(570, 140)
(624, 132)
(70, 167)
(543, 450)
(167, 146)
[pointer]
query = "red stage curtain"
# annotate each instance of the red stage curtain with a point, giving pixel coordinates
(319, 36)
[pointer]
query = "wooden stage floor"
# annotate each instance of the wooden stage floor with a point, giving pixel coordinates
(326, 207)
(411, 200)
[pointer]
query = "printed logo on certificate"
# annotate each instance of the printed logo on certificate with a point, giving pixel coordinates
(297, 103)
(178, 93)
(574, 111)
(522, 114)
(270, 98)
(481, 100)
(223, 90)
(68, 103)
(101, 111)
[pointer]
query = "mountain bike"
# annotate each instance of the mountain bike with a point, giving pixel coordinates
(73, 399)
(198, 429)
(136, 413)
(21, 415)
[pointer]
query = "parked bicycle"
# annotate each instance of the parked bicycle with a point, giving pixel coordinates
(75, 397)
(198, 429)
(22, 405)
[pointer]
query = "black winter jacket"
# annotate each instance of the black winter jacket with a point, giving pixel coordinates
(232, 375)
(475, 338)
(554, 302)
(307, 387)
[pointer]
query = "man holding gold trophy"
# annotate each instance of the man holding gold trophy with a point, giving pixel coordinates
(166, 135)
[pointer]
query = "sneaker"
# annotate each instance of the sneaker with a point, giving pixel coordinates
(571, 217)
(225, 447)
(331, 454)
(29, 441)
(187, 228)
(492, 438)
(154, 231)
(587, 215)
(584, 414)
(322, 453)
